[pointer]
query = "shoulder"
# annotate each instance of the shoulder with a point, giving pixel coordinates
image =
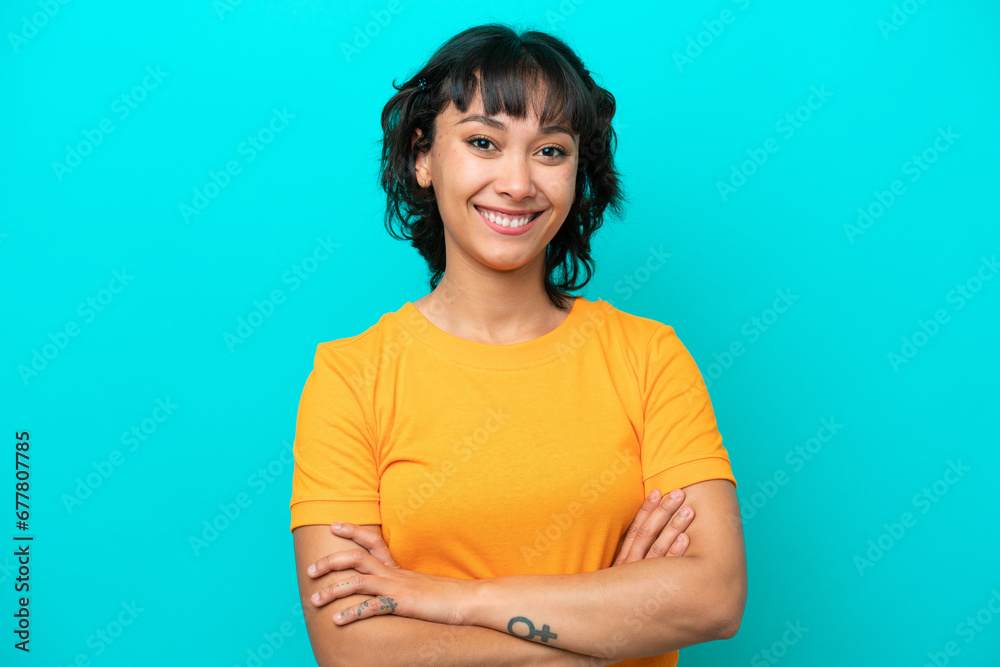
(363, 348)
(387, 322)
(637, 331)
(651, 348)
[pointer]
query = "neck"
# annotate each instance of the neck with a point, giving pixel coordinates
(501, 309)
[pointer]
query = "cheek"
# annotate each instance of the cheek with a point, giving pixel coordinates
(562, 186)
(465, 179)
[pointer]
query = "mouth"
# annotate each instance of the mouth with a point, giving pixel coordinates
(508, 221)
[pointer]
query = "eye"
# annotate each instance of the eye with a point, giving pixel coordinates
(477, 140)
(561, 154)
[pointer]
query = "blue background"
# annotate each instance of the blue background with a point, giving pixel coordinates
(822, 548)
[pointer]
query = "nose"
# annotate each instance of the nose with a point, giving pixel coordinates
(514, 178)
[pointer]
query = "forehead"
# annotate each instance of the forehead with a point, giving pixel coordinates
(475, 114)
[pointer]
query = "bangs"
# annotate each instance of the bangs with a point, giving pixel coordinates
(517, 79)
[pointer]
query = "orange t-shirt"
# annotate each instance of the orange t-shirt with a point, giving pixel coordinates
(483, 461)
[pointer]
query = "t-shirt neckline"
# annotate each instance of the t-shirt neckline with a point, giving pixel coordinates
(526, 354)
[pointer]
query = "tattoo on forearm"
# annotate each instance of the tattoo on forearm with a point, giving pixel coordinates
(387, 603)
(543, 634)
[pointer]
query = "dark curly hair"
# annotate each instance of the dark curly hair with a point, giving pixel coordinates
(505, 67)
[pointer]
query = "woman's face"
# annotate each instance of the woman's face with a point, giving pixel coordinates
(480, 166)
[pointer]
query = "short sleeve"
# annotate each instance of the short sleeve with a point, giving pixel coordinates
(681, 443)
(335, 474)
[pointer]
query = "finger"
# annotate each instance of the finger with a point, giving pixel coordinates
(647, 507)
(369, 539)
(679, 546)
(672, 532)
(357, 559)
(654, 524)
(378, 606)
(353, 585)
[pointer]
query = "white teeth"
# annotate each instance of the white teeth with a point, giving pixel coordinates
(499, 219)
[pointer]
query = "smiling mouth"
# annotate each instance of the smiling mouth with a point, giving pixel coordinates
(504, 220)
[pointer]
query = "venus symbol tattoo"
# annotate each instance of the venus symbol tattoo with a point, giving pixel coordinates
(544, 635)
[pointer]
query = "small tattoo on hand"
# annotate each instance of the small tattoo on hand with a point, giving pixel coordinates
(544, 634)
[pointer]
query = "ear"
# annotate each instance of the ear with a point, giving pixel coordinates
(422, 164)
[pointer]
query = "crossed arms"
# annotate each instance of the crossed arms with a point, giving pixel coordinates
(635, 608)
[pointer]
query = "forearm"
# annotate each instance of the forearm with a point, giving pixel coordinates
(390, 639)
(638, 609)
(394, 640)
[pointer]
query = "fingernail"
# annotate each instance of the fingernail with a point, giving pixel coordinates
(654, 495)
(685, 512)
(315, 598)
(312, 569)
(675, 494)
(338, 526)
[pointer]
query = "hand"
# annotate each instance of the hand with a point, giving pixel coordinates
(397, 591)
(658, 529)
(366, 538)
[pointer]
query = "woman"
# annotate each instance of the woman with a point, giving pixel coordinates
(477, 475)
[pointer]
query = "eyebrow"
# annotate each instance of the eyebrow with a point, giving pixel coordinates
(493, 122)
